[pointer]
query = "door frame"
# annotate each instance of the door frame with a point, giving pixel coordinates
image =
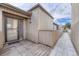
(7, 15)
(6, 40)
(20, 25)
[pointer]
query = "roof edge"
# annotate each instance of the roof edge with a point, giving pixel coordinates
(55, 24)
(14, 8)
(39, 5)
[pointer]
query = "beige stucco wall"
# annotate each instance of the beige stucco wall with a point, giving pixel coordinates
(45, 21)
(39, 21)
(32, 27)
(75, 14)
(75, 26)
(1, 31)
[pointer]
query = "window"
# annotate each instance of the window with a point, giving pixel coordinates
(9, 23)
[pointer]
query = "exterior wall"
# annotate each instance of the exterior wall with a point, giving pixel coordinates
(39, 21)
(1, 31)
(75, 26)
(75, 9)
(33, 26)
(45, 21)
(40, 28)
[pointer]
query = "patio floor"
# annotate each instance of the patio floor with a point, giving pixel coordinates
(25, 48)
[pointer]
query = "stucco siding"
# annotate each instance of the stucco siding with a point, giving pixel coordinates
(75, 14)
(40, 28)
(33, 26)
(75, 26)
(1, 31)
(45, 21)
(75, 36)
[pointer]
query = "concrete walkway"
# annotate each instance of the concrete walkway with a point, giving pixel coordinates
(64, 47)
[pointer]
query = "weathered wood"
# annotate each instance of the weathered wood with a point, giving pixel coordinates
(26, 48)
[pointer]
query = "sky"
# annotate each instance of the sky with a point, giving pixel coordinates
(57, 10)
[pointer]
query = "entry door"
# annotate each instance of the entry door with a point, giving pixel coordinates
(11, 29)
